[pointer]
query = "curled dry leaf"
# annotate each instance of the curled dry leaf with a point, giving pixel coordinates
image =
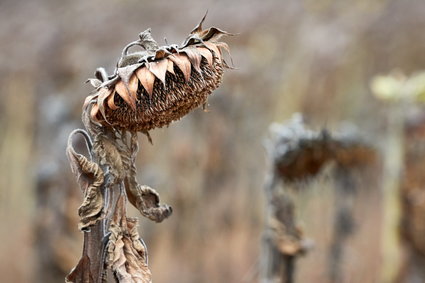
(146, 200)
(287, 241)
(135, 100)
(90, 177)
(127, 256)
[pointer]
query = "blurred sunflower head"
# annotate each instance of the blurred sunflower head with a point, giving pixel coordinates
(158, 85)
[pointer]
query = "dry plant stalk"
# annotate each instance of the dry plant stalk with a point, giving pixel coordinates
(412, 194)
(298, 155)
(148, 89)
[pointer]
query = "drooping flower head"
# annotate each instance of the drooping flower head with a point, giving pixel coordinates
(158, 85)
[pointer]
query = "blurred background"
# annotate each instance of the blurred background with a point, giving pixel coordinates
(316, 57)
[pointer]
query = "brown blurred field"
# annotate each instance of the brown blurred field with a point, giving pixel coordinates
(311, 56)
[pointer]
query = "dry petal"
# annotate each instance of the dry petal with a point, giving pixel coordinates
(214, 34)
(223, 45)
(111, 103)
(159, 69)
(147, 79)
(213, 47)
(206, 54)
(89, 99)
(133, 85)
(194, 57)
(103, 94)
(198, 28)
(94, 111)
(170, 66)
(183, 63)
(122, 91)
(160, 54)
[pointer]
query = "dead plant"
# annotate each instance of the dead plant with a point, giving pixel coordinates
(149, 89)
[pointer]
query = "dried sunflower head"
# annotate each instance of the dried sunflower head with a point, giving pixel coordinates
(158, 85)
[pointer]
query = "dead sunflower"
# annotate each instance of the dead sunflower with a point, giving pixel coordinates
(158, 85)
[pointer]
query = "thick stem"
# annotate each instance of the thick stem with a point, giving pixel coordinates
(282, 242)
(344, 220)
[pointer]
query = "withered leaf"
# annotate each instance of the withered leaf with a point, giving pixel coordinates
(74, 159)
(146, 200)
(146, 78)
(159, 69)
(126, 256)
(194, 57)
(288, 246)
(91, 209)
(183, 63)
(123, 91)
(206, 54)
(90, 177)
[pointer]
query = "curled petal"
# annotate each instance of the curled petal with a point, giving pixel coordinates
(111, 103)
(214, 34)
(89, 99)
(223, 45)
(213, 47)
(206, 54)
